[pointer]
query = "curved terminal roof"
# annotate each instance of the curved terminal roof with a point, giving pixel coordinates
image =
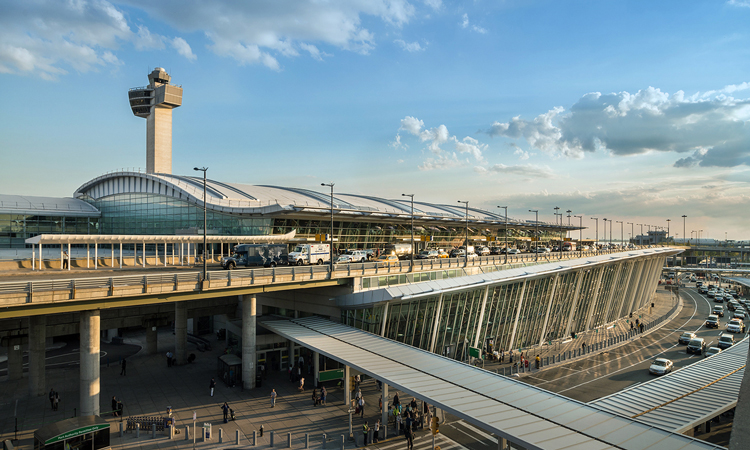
(236, 198)
(48, 206)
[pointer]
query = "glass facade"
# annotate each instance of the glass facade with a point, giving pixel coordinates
(16, 228)
(515, 314)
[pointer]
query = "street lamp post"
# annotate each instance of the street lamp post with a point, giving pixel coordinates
(605, 230)
(568, 231)
(330, 250)
(610, 234)
(632, 231)
(411, 197)
(506, 232)
(622, 233)
(204, 170)
(466, 245)
(561, 225)
(640, 237)
(668, 220)
(596, 242)
(684, 235)
(536, 223)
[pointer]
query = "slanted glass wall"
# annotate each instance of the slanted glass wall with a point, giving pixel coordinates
(16, 228)
(515, 314)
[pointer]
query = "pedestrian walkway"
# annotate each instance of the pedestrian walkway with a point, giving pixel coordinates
(149, 387)
(619, 332)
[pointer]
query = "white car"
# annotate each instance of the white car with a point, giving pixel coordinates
(514, 251)
(712, 351)
(358, 255)
(660, 366)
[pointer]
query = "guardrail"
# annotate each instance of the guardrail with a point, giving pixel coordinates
(60, 290)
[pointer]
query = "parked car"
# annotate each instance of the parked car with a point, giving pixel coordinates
(343, 259)
(443, 254)
(697, 345)
(387, 259)
(712, 321)
(513, 251)
(725, 341)
(482, 251)
(427, 254)
(496, 251)
(660, 366)
(358, 256)
(686, 337)
(711, 351)
(472, 255)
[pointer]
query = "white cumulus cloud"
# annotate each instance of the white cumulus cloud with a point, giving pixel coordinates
(525, 170)
(713, 128)
(183, 48)
(436, 139)
(409, 46)
(465, 24)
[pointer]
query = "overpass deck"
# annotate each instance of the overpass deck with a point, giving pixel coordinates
(520, 413)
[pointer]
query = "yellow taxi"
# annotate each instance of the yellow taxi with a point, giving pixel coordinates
(387, 259)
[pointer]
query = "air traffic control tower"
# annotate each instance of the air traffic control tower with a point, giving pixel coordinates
(154, 103)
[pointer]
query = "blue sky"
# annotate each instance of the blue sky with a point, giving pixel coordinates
(634, 111)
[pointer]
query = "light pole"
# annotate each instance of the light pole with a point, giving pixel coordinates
(699, 236)
(596, 241)
(557, 208)
(568, 231)
(506, 232)
(204, 170)
(632, 231)
(466, 246)
(668, 220)
(536, 232)
(411, 196)
(330, 185)
(610, 234)
(640, 237)
(580, 229)
(605, 230)
(622, 233)
(684, 235)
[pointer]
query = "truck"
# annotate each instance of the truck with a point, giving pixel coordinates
(310, 254)
(402, 251)
(569, 246)
(247, 255)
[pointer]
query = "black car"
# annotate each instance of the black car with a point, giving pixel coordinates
(718, 310)
(712, 321)
(697, 345)
(686, 337)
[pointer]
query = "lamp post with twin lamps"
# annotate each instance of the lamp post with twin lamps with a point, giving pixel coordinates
(331, 185)
(536, 232)
(411, 197)
(596, 242)
(204, 170)
(506, 232)
(466, 245)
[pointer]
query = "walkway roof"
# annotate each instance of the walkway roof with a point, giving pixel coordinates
(155, 239)
(434, 287)
(523, 414)
(46, 206)
(685, 398)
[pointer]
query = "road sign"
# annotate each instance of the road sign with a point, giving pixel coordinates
(475, 352)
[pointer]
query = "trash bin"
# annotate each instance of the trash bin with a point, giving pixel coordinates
(258, 381)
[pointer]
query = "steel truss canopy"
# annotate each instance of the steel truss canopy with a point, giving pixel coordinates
(523, 414)
(685, 398)
(158, 239)
(435, 287)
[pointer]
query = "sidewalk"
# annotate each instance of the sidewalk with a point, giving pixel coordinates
(149, 387)
(663, 304)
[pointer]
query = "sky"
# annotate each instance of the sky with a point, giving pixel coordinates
(634, 111)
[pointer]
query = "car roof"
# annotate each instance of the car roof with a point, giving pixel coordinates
(661, 359)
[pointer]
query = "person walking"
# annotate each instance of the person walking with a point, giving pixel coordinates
(396, 401)
(365, 432)
(273, 398)
(225, 410)
(323, 394)
(361, 404)
(409, 438)
(537, 361)
(169, 358)
(124, 365)
(302, 384)
(212, 386)
(56, 401)
(114, 406)
(315, 397)
(376, 434)
(52, 398)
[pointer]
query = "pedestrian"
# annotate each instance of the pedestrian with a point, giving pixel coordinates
(399, 422)
(583, 347)
(52, 398)
(396, 401)
(212, 386)
(114, 406)
(362, 407)
(169, 359)
(365, 432)
(641, 327)
(65, 263)
(124, 365)
(376, 434)
(510, 355)
(291, 374)
(380, 403)
(538, 360)
(358, 394)
(273, 398)
(302, 384)
(225, 410)
(315, 397)
(409, 438)
(631, 326)
(502, 356)
(323, 394)
(356, 381)
(56, 401)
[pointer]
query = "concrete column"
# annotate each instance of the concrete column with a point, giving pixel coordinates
(316, 367)
(502, 443)
(347, 392)
(384, 418)
(290, 361)
(15, 359)
(90, 363)
(180, 333)
(37, 354)
(151, 339)
(249, 357)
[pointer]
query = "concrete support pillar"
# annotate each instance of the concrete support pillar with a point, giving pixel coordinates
(347, 392)
(151, 339)
(249, 357)
(90, 362)
(15, 359)
(316, 367)
(290, 361)
(502, 443)
(37, 354)
(384, 416)
(180, 333)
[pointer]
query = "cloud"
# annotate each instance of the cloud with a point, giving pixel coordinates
(715, 128)
(437, 137)
(442, 162)
(465, 24)
(409, 46)
(741, 3)
(183, 48)
(526, 170)
(522, 154)
(434, 4)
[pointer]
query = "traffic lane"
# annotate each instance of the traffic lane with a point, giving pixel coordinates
(10, 276)
(616, 369)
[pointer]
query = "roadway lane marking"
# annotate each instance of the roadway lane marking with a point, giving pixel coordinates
(624, 356)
